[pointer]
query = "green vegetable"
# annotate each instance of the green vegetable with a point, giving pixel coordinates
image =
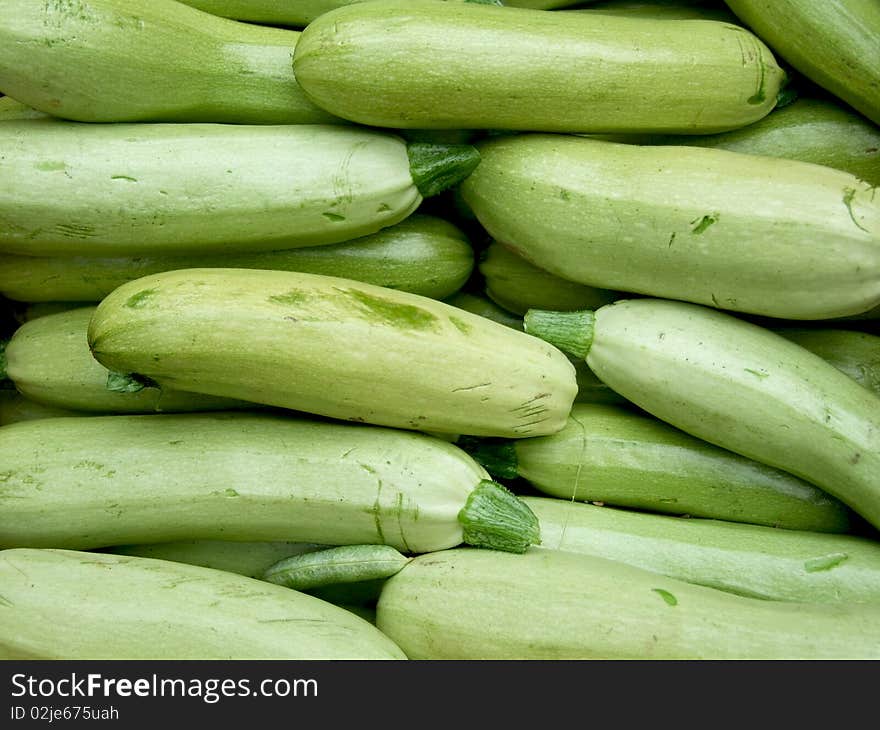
(613, 455)
(12, 110)
(779, 238)
(14, 407)
(63, 604)
(734, 384)
(334, 347)
(345, 564)
(661, 10)
(476, 66)
(83, 483)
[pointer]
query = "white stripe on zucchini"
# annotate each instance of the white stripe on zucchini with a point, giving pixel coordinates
(549, 604)
(82, 483)
(749, 560)
(734, 384)
(476, 66)
(72, 189)
(781, 238)
(334, 347)
(60, 604)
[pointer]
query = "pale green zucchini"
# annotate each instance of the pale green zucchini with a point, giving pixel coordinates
(83, 483)
(62, 604)
(336, 566)
(749, 560)
(49, 362)
(479, 303)
(550, 604)
(518, 286)
(72, 189)
(334, 347)
(149, 60)
(245, 558)
(735, 384)
(833, 43)
(773, 237)
(24, 312)
(13, 111)
(475, 66)
(422, 254)
(661, 10)
(613, 455)
(14, 407)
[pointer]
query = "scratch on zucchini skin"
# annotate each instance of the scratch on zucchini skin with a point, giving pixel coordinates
(849, 195)
(388, 312)
(139, 300)
(666, 596)
(701, 224)
(824, 562)
(376, 509)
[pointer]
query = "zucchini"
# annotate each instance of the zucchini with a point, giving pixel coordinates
(12, 110)
(121, 190)
(661, 10)
(773, 237)
(833, 43)
(334, 347)
(64, 604)
(14, 407)
(149, 61)
(49, 362)
(735, 384)
(82, 483)
(25, 312)
(422, 254)
(518, 286)
(550, 604)
(749, 560)
(612, 455)
(453, 66)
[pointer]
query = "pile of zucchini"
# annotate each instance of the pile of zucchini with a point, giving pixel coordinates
(439, 329)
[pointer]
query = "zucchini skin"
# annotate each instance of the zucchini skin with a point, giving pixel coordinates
(139, 608)
(613, 455)
(773, 237)
(82, 483)
(14, 111)
(422, 254)
(122, 190)
(833, 43)
(334, 347)
(550, 604)
(49, 362)
(571, 72)
(14, 407)
(744, 388)
(149, 61)
(749, 560)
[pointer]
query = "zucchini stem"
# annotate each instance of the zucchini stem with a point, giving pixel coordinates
(496, 456)
(437, 167)
(128, 382)
(571, 332)
(494, 517)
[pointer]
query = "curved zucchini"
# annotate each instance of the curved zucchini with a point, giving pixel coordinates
(83, 483)
(613, 455)
(749, 560)
(14, 407)
(421, 254)
(49, 362)
(25, 312)
(149, 61)
(662, 10)
(550, 604)
(476, 66)
(774, 237)
(64, 604)
(14, 111)
(833, 43)
(518, 286)
(334, 347)
(121, 190)
(734, 384)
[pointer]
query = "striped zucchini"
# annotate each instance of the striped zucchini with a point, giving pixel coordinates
(734, 384)
(83, 483)
(749, 560)
(422, 254)
(833, 43)
(454, 66)
(65, 604)
(773, 237)
(550, 604)
(149, 60)
(49, 362)
(613, 455)
(518, 286)
(69, 189)
(334, 347)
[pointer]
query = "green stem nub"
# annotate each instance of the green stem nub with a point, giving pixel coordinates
(571, 332)
(345, 564)
(128, 382)
(495, 518)
(496, 456)
(437, 167)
